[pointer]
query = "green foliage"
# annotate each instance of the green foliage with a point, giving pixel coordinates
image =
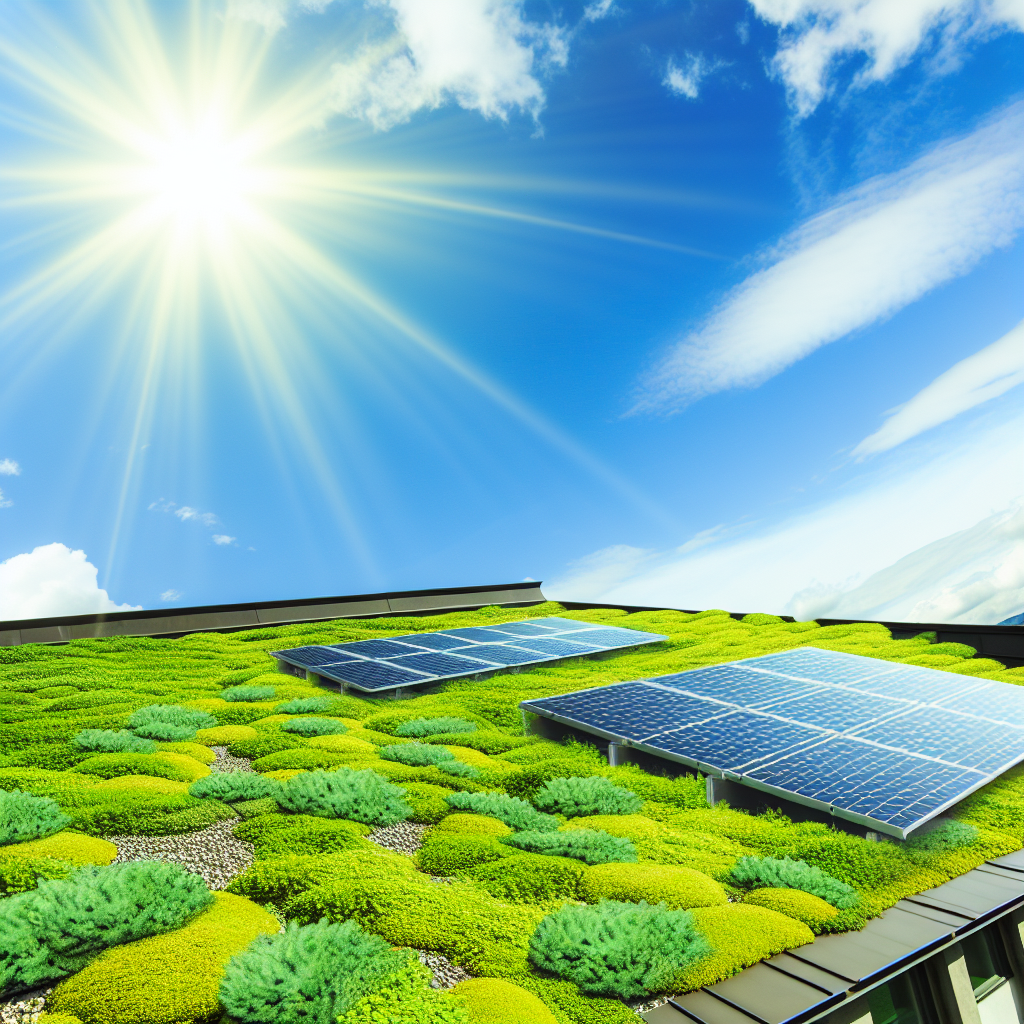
(407, 998)
(146, 814)
(178, 767)
(591, 846)
(169, 722)
(265, 744)
(434, 727)
(470, 825)
(306, 975)
(359, 795)
(276, 834)
(24, 817)
(247, 693)
(459, 769)
(315, 726)
(530, 878)
(231, 786)
(515, 813)
(446, 854)
(677, 887)
(428, 803)
(416, 754)
(51, 931)
(617, 949)
(577, 797)
(771, 872)
(110, 741)
(306, 758)
(494, 1001)
(22, 874)
(795, 903)
(247, 809)
(303, 706)
(950, 835)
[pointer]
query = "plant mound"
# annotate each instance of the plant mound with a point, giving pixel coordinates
(515, 813)
(950, 835)
(112, 741)
(303, 706)
(169, 722)
(358, 795)
(307, 974)
(315, 726)
(248, 693)
(231, 786)
(617, 949)
(578, 797)
(588, 845)
(55, 929)
(434, 727)
(24, 817)
(419, 755)
(773, 873)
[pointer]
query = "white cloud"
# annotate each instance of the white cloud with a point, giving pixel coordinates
(171, 595)
(268, 13)
(684, 79)
(598, 9)
(974, 380)
(819, 36)
(185, 514)
(5, 502)
(481, 54)
(817, 562)
(8, 467)
(223, 538)
(52, 580)
(875, 250)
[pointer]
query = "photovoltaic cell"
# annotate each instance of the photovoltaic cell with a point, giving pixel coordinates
(525, 629)
(557, 647)
(437, 641)
(501, 654)
(314, 656)
(373, 675)
(883, 744)
(437, 664)
(611, 637)
(377, 648)
(478, 634)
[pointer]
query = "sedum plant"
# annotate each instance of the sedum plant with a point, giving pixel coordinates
(434, 727)
(357, 795)
(515, 813)
(773, 873)
(231, 786)
(578, 797)
(459, 769)
(592, 846)
(112, 741)
(24, 817)
(417, 754)
(315, 726)
(307, 974)
(169, 722)
(233, 693)
(617, 949)
(303, 706)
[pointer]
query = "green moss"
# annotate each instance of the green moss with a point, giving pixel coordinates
(802, 906)
(166, 979)
(493, 1001)
(677, 887)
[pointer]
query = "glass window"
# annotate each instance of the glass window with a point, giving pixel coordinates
(898, 1002)
(986, 961)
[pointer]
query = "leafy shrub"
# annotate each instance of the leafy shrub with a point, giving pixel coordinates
(677, 887)
(306, 975)
(446, 854)
(22, 874)
(577, 797)
(359, 795)
(142, 814)
(276, 834)
(303, 706)
(459, 770)
(617, 949)
(407, 998)
(165, 979)
(231, 786)
(530, 878)
(590, 846)
(169, 722)
(494, 1001)
(315, 726)
(167, 765)
(515, 813)
(110, 741)
(247, 809)
(770, 872)
(416, 754)
(53, 930)
(434, 727)
(24, 817)
(795, 903)
(950, 835)
(428, 802)
(247, 693)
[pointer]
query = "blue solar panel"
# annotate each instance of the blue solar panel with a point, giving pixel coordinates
(434, 641)
(557, 622)
(501, 654)
(525, 629)
(611, 637)
(478, 634)
(373, 675)
(377, 648)
(438, 664)
(883, 744)
(314, 656)
(557, 647)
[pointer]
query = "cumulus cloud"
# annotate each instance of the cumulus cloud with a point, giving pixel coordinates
(52, 580)
(8, 467)
(5, 502)
(957, 504)
(482, 54)
(223, 538)
(171, 595)
(875, 250)
(684, 78)
(974, 380)
(818, 37)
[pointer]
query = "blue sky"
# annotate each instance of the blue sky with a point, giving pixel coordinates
(707, 304)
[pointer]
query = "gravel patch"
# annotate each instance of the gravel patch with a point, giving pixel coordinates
(213, 853)
(25, 1008)
(401, 838)
(224, 762)
(645, 1003)
(446, 974)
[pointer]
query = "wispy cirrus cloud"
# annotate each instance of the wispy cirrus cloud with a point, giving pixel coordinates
(819, 37)
(977, 379)
(188, 514)
(684, 77)
(875, 250)
(171, 595)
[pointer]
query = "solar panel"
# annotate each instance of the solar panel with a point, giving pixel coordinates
(879, 743)
(417, 658)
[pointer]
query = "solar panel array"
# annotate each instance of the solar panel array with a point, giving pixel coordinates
(374, 665)
(882, 744)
